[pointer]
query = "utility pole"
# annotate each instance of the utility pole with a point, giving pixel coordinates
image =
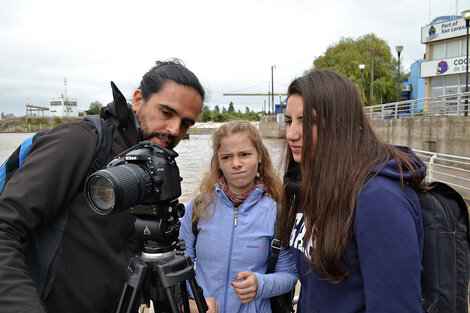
(466, 16)
(371, 91)
(269, 103)
(361, 67)
(272, 88)
(399, 49)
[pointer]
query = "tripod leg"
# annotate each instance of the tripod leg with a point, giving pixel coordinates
(135, 276)
(171, 300)
(184, 296)
(198, 296)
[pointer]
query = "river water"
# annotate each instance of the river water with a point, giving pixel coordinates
(193, 160)
(9, 142)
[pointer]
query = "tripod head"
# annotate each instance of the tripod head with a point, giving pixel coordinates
(158, 227)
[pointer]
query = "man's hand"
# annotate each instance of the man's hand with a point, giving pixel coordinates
(211, 304)
(247, 289)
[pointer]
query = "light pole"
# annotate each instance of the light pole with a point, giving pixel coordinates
(399, 49)
(361, 67)
(371, 84)
(272, 88)
(466, 16)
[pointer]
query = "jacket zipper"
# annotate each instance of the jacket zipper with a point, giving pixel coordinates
(227, 278)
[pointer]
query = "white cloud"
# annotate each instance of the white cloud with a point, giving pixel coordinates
(229, 45)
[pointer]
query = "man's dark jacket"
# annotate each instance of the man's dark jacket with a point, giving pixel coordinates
(95, 249)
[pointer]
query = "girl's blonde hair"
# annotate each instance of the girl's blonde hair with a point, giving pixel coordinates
(266, 171)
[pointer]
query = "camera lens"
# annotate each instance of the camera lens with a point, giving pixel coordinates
(102, 193)
(117, 188)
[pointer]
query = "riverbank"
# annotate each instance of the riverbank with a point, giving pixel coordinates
(24, 127)
(209, 127)
(32, 125)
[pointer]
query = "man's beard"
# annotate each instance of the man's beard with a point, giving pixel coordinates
(169, 138)
(146, 135)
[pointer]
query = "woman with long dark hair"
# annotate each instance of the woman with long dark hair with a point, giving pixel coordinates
(353, 219)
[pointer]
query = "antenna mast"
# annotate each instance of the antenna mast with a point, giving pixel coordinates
(65, 87)
(429, 11)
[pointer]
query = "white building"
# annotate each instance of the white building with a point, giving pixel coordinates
(63, 107)
(445, 65)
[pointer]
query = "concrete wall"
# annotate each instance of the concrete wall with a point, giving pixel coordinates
(443, 134)
(272, 129)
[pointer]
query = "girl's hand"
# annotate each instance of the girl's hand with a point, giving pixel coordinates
(247, 289)
(211, 304)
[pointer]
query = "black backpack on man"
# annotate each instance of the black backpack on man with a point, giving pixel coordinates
(40, 252)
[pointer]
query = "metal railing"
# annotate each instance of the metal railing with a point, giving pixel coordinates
(452, 104)
(450, 169)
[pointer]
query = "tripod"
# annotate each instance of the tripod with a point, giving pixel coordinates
(162, 267)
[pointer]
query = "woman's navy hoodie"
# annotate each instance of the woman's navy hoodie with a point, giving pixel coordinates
(383, 256)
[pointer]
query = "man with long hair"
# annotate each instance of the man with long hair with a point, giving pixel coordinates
(86, 271)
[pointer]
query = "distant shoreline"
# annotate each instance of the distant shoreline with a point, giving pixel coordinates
(198, 128)
(16, 132)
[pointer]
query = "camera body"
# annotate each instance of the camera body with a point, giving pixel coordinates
(145, 174)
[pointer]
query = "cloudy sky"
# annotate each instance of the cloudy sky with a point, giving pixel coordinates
(229, 45)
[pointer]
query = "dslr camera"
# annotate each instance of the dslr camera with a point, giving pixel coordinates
(146, 179)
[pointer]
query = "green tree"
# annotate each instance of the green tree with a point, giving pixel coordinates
(205, 115)
(218, 117)
(95, 108)
(226, 114)
(346, 55)
(231, 109)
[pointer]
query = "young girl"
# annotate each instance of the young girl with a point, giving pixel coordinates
(353, 219)
(235, 215)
